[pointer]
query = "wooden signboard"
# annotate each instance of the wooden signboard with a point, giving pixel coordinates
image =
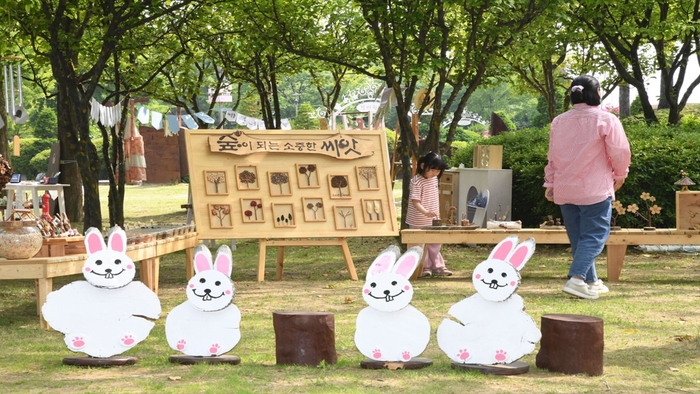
(281, 184)
(688, 210)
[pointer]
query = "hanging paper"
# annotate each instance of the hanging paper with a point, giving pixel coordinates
(189, 121)
(285, 125)
(157, 120)
(144, 115)
(173, 124)
(230, 116)
(204, 117)
(261, 124)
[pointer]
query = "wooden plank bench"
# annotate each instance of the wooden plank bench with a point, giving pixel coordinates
(146, 254)
(616, 245)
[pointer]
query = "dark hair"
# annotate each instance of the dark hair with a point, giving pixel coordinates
(431, 161)
(589, 94)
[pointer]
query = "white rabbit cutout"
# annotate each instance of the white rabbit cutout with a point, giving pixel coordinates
(207, 324)
(491, 326)
(390, 329)
(109, 313)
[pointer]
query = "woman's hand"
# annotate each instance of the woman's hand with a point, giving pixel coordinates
(618, 184)
(549, 194)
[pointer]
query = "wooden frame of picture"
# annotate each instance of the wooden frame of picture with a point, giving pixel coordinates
(252, 210)
(345, 218)
(688, 210)
(339, 187)
(220, 216)
(283, 215)
(367, 178)
(308, 179)
(316, 213)
(244, 179)
(372, 210)
(216, 183)
(280, 183)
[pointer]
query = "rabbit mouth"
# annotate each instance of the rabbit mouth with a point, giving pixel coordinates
(387, 297)
(493, 284)
(207, 296)
(108, 275)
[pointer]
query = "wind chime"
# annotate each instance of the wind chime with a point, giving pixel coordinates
(14, 99)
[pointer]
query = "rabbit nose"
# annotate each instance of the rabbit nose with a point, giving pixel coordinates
(207, 291)
(108, 270)
(494, 284)
(386, 292)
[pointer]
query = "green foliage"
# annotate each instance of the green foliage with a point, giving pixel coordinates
(306, 119)
(30, 147)
(636, 106)
(506, 119)
(46, 126)
(39, 163)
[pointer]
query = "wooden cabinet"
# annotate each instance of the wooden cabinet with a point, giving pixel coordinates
(468, 183)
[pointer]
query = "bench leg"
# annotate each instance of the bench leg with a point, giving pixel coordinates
(43, 287)
(616, 256)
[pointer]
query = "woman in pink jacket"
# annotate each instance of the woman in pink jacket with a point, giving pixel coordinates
(589, 158)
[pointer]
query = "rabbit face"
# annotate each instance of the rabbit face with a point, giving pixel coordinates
(495, 280)
(107, 266)
(211, 289)
(387, 288)
(497, 277)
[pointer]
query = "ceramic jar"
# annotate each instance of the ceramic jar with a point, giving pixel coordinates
(19, 239)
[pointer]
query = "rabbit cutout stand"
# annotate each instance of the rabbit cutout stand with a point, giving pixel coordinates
(109, 313)
(207, 325)
(390, 332)
(492, 331)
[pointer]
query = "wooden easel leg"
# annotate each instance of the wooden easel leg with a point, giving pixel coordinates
(261, 260)
(348, 258)
(280, 262)
(616, 256)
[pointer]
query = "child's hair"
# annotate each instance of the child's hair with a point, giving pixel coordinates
(584, 89)
(431, 161)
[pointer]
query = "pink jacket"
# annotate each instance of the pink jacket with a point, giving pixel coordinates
(588, 150)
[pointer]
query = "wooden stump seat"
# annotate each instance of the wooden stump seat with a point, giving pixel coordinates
(571, 344)
(304, 338)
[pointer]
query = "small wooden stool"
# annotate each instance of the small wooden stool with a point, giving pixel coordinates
(304, 338)
(571, 344)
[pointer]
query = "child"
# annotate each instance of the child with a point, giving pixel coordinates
(424, 206)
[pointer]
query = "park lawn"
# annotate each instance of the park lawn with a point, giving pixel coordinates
(651, 323)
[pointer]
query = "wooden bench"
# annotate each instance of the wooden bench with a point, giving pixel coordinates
(616, 245)
(147, 254)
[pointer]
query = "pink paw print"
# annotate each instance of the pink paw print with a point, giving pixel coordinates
(181, 344)
(128, 340)
(78, 342)
(463, 354)
(214, 349)
(500, 355)
(376, 353)
(406, 356)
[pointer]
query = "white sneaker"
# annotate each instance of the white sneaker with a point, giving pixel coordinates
(598, 287)
(581, 291)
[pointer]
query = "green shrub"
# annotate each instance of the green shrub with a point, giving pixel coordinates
(506, 119)
(658, 155)
(29, 147)
(39, 163)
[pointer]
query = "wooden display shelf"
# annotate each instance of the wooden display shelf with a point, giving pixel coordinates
(62, 246)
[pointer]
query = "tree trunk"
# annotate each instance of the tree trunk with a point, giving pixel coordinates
(4, 140)
(70, 174)
(624, 101)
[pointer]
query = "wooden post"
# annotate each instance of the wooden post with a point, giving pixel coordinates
(281, 243)
(304, 338)
(571, 344)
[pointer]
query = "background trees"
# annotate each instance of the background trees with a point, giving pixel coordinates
(283, 59)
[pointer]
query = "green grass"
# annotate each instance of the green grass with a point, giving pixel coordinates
(651, 324)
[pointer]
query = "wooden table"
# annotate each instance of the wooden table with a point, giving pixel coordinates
(34, 187)
(44, 269)
(616, 245)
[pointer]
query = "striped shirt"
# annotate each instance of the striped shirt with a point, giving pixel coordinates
(427, 193)
(588, 151)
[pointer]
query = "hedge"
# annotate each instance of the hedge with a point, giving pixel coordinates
(659, 153)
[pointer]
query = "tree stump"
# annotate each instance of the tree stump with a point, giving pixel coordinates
(304, 338)
(571, 344)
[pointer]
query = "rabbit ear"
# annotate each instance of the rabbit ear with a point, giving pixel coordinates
(504, 248)
(521, 254)
(202, 259)
(408, 262)
(224, 260)
(384, 261)
(116, 240)
(94, 241)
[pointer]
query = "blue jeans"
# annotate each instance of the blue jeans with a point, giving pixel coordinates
(588, 227)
